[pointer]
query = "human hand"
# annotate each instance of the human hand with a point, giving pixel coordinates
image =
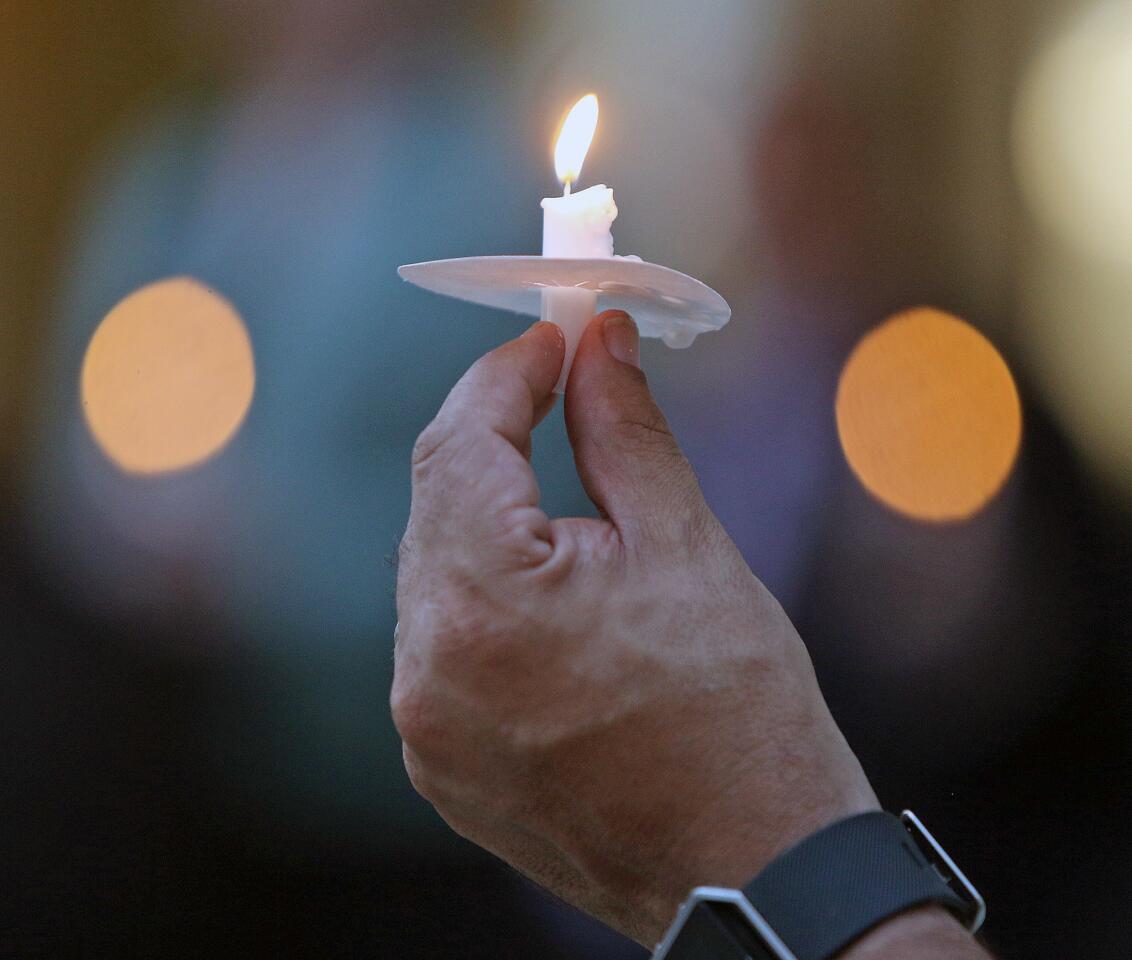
(617, 707)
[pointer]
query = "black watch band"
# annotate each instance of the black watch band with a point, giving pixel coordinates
(824, 893)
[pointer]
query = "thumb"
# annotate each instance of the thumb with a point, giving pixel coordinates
(628, 460)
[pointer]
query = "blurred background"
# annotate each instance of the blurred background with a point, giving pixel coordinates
(211, 379)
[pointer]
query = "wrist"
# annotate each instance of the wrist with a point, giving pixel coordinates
(727, 851)
(869, 887)
(788, 786)
(927, 933)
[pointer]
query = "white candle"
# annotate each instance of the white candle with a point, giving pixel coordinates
(577, 226)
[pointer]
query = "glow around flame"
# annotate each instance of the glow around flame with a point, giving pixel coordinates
(574, 139)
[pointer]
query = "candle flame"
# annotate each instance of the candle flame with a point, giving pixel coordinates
(574, 139)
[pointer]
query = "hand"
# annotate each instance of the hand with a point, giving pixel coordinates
(615, 706)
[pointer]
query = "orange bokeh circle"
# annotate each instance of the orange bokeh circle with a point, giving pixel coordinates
(168, 377)
(929, 416)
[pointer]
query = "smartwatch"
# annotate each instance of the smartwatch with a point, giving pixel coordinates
(824, 893)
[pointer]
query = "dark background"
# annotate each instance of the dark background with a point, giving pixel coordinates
(196, 755)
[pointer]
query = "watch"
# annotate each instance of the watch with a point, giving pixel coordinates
(823, 893)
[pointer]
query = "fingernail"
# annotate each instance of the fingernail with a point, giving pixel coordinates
(621, 339)
(540, 325)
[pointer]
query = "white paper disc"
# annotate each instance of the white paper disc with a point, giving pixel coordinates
(664, 302)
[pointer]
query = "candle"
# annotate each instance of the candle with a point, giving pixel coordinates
(575, 226)
(577, 264)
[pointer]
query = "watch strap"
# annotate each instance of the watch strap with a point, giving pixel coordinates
(837, 884)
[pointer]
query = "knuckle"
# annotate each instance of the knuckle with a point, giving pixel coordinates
(459, 823)
(414, 714)
(419, 777)
(414, 767)
(524, 534)
(434, 438)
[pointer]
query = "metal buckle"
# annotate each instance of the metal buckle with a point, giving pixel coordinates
(734, 898)
(946, 868)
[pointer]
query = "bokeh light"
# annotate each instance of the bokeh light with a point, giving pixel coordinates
(168, 377)
(1072, 135)
(1072, 144)
(929, 416)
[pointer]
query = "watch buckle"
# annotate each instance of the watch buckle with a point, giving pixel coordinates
(947, 869)
(762, 930)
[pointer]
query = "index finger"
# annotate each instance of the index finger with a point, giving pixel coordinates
(509, 390)
(470, 462)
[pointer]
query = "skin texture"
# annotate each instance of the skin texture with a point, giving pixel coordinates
(925, 934)
(616, 706)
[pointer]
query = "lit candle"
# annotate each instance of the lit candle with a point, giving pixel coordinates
(575, 226)
(578, 263)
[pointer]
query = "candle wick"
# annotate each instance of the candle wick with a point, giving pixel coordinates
(566, 188)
